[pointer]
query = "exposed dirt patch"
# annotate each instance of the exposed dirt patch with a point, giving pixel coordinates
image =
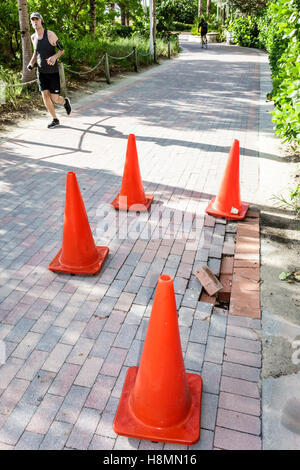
(278, 355)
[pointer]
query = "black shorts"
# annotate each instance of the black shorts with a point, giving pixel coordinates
(49, 81)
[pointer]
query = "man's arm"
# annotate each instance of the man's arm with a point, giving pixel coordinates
(34, 56)
(53, 39)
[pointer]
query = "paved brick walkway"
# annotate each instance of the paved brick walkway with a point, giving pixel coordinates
(70, 339)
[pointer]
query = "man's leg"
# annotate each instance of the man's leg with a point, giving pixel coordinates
(49, 103)
(57, 99)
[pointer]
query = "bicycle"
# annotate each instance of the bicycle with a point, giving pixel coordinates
(204, 41)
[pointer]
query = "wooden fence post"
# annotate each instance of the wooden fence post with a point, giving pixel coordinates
(154, 54)
(62, 78)
(135, 59)
(106, 66)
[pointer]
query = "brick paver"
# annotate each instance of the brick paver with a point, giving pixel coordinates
(70, 339)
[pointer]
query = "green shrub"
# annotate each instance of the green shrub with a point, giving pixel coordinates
(177, 26)
(87, 53)
(11, 94)
(244, 31)
(280, 33)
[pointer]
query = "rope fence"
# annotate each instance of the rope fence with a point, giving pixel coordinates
(106, 57)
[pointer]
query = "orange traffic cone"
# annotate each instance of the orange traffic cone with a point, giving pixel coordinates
(132, 195)
(160, 401)
(228, 203)
(78, 255)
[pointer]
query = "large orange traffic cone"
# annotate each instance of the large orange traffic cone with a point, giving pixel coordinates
(228, 203)
(160, 401)
(78, 254)
(132, 195)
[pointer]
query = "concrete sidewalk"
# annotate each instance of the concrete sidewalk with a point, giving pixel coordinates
(70, 339)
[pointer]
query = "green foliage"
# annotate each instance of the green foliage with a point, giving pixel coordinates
(11, 94)
(185, 11)
(291, 200)
(177, 26)
(248, 7)
(165, 16)
(176, 15)
(85, 53)
(10, 39)
(244, 31)
(280, 36)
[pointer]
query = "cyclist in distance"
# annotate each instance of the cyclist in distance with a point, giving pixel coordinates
(203, 31)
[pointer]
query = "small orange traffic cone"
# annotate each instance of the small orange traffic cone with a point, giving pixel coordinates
(228, 203)
(160, 401)
(132, 195)
(78, 254)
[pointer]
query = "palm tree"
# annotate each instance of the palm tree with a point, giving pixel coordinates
(208, 6)
(199, 8)
(93, 17)
(27, 75)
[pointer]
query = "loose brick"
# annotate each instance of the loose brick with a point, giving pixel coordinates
(208, 280)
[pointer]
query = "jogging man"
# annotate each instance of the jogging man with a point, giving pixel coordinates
(203, 30)
(45, 43)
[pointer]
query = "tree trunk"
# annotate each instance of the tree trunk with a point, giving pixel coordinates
(223, 14)
(93, 18)
(123, 15)
(27, 75)
(154, 19)
(208, 6)
(199, 8)
(112, 8)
